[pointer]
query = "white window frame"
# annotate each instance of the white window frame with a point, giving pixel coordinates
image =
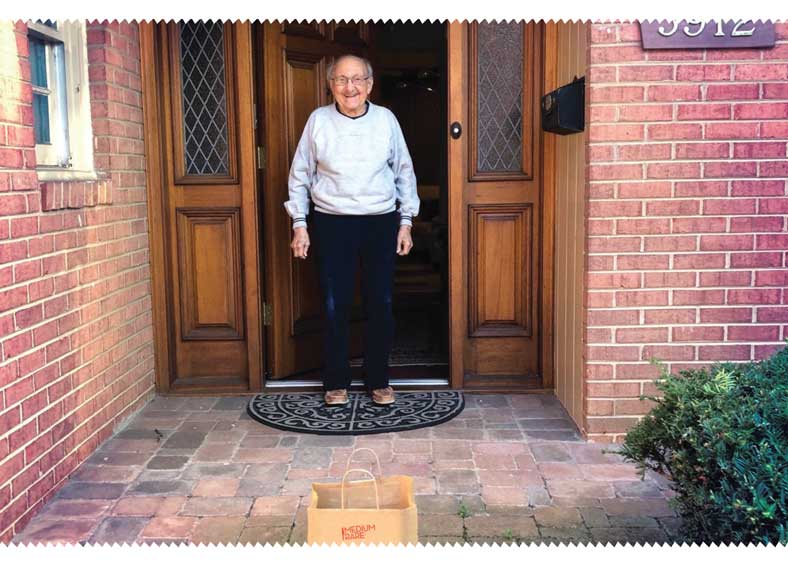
(69, 156)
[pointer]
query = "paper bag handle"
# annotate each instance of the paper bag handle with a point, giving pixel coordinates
(374, 481)
(370, 450)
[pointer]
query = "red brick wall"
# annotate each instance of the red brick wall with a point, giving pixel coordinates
(687, 232)
(76, 352)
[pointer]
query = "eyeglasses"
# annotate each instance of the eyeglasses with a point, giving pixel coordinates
(342, 81)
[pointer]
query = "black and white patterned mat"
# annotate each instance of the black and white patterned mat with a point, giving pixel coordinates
(306, 412)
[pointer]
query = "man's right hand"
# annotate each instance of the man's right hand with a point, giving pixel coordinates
(300, 243)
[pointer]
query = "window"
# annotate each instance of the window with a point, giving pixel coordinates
(61, 104)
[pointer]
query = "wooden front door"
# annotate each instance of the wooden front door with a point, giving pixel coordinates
(295, 57)
(496, 206)
(199, 141)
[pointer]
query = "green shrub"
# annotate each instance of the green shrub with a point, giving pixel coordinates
(721, 436)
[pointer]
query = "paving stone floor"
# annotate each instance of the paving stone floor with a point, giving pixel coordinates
(507, 469)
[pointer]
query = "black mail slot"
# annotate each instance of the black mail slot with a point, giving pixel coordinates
(563, 110)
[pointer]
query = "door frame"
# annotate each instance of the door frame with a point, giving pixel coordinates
(457, 46)
(150, 73)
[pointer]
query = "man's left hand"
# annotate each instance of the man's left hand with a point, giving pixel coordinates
(404, 241)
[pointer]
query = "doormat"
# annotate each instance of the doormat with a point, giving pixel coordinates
(308, 413)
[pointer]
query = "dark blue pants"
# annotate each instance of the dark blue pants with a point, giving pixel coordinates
(340, 240)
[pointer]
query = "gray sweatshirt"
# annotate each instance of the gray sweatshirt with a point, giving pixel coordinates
(352, 166)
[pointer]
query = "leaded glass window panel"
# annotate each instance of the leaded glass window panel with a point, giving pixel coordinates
(204, 96)
(499, 97)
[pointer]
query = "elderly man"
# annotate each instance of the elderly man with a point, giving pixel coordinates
(352, 161)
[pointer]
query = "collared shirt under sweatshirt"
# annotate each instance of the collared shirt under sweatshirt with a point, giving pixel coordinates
(352, 166)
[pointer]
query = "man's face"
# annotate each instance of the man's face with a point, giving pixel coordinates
(350, 96)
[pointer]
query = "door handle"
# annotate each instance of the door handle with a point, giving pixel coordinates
(455, 130)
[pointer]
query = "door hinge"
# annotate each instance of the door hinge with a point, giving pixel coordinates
(266, 313)
(260, 157)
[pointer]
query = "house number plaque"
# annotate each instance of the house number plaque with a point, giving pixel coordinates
(711, 34)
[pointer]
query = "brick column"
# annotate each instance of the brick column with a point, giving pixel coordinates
(75, 310)
(687, 233)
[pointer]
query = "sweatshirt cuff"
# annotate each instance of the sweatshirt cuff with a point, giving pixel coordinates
(405, 220)
(299, 222)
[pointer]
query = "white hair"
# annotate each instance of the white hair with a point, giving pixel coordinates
(362, 60)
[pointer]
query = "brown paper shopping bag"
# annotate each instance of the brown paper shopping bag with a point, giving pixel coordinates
(371, 511)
